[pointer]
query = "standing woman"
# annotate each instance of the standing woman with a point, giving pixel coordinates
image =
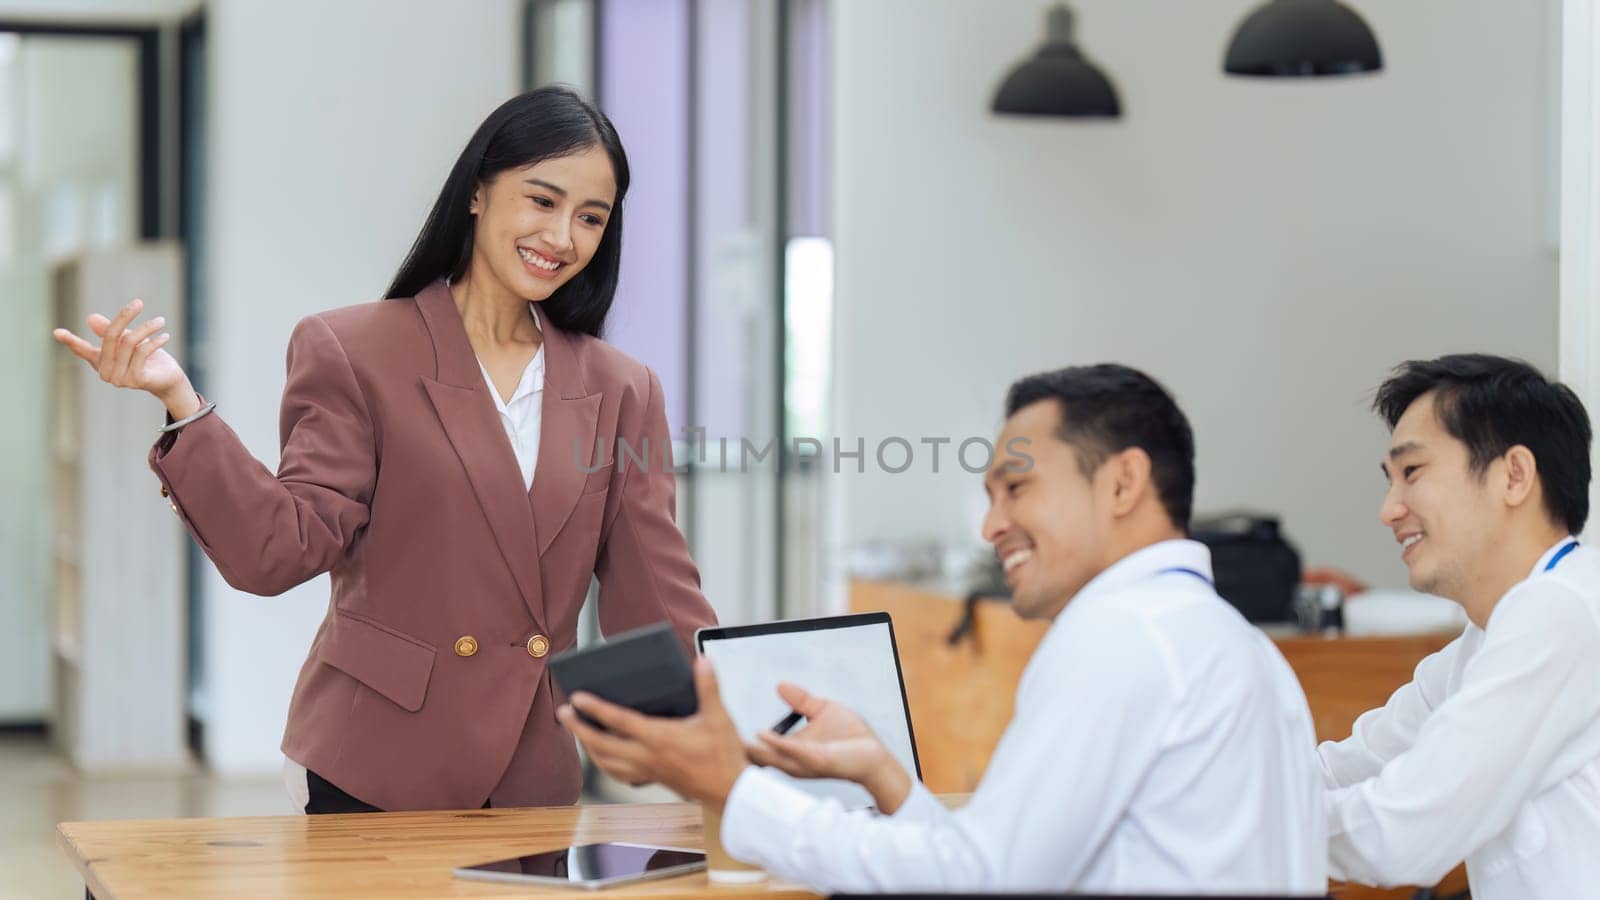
(439, 453)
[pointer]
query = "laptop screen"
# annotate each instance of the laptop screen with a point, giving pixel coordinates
(850, 659)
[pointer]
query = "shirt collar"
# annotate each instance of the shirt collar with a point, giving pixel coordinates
(1550, 554)
(1147, 562)
(532, 381)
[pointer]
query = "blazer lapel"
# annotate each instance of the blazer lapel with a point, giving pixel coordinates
(468, 415)
(567, 437)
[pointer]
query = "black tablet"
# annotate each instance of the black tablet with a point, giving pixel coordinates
(644, 669)
(589, 866)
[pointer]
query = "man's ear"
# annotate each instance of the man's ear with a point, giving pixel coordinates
(1522, 475)
(1130, 474)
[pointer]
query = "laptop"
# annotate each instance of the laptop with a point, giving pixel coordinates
(851, 659)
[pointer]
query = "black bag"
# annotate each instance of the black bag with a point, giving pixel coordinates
(1257, 570)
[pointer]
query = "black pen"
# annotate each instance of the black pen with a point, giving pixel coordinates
(787, 723)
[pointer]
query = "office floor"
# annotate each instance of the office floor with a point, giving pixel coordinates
(38, 789)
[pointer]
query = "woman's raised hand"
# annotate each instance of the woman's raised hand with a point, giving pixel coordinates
(134, 358)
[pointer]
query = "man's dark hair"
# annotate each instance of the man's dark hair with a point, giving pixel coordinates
(1492, 404)
(1106, 409)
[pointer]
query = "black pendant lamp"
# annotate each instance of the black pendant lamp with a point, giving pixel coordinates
(1302, 38)
(1057, 80)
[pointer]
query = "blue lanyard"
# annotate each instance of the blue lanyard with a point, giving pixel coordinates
(1200, 575)
(1560, 555)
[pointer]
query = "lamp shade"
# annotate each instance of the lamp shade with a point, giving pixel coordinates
(1057, 80)
(1300, 38)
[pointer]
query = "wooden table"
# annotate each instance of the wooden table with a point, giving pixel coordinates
(389, 855)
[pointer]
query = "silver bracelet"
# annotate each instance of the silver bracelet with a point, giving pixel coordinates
(200, 414)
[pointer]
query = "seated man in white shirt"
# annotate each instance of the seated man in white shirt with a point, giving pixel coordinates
(1492, 752)
(1159, 743)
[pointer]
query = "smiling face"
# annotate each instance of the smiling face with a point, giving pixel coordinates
(1446, 517)
(1046, 520)
(540, 225)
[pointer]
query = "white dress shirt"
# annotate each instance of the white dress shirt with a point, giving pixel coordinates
(522, 419)
(1160, 743)
(1491, 753)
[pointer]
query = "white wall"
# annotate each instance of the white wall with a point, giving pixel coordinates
(332, 128)
(98, 12)
(1580, 210)
(1267, 250)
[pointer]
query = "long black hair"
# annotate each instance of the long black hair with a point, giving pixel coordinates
(542, 124)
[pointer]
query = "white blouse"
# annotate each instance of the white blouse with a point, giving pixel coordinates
(523, 416)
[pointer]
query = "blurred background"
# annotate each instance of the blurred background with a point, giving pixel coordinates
(832, 235)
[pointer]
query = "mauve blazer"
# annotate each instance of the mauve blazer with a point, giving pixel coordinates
(425, 687)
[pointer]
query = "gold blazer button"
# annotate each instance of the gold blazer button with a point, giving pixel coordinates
(466, 646)
(538, 646)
